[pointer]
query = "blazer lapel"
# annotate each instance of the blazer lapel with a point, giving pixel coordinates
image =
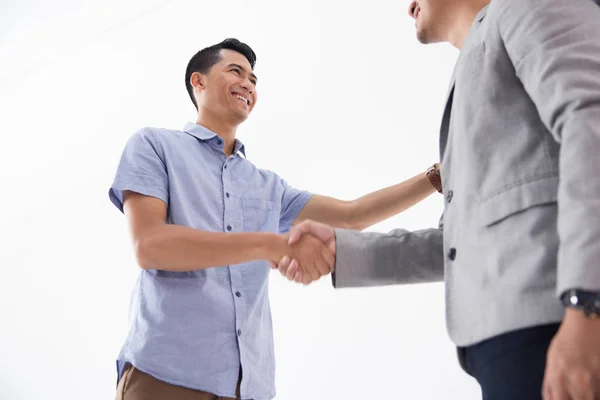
(446, 117)
(445, 128)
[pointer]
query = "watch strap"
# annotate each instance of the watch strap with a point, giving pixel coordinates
(435, 178)
(586, 301)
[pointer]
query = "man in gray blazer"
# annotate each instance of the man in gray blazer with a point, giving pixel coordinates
(520, 157)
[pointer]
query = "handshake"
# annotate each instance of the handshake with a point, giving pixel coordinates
(308, 253)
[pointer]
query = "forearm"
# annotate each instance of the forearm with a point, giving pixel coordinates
(179, 248)
(385, 203)
(579, 204)
(377, 259)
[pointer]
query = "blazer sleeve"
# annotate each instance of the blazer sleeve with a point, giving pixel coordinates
(398, 257)
(554, 46)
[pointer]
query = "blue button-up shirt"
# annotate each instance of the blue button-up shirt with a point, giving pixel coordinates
(195, 329)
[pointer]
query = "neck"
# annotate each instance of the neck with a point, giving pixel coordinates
(463, 21)
(221, 127)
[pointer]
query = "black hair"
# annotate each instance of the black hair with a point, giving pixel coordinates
(204, 60)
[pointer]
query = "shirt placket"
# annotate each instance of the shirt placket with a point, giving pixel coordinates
(234, 223)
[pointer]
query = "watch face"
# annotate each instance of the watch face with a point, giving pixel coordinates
(588, 302)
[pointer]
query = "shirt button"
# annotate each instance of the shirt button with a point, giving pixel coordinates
(452, 253)
(225, 167)
(449, 196)
(238, 294)
(228, 227)
(219, 142)
(227, 194)
(239, 332)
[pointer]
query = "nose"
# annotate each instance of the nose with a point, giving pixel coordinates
(411, 8)
(247, 85)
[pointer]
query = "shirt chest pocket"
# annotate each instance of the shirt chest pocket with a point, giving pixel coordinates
(260, 215)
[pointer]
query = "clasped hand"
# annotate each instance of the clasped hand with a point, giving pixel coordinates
(312, 253)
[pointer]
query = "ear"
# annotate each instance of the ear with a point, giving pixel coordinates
(198, 81)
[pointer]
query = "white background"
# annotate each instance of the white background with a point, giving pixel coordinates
(349, 103)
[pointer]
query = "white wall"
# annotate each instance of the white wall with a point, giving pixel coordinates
(349, 103)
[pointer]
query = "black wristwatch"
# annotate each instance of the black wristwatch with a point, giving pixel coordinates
(588, 302)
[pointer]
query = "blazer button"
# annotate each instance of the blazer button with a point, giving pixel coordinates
(449, 196)
(452, 253)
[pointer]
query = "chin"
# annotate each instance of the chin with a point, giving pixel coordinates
(426, 36)
(241, 116)
(422, 36)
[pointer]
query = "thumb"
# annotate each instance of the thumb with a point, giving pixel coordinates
(331, 245)
(295, 235)
(321, 231)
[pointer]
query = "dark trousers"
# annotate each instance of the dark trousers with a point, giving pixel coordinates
(510, 366)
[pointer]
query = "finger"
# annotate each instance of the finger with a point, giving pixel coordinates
(322, 267)
(298, 277)
(331, 245)
(310, 273)
(558, 392)
(292, 270)
(329, 259)
(296, 264)
(272, 265)
(546, 394)
(579, 385)
(295, 235)
(284, 264)
(307, 279)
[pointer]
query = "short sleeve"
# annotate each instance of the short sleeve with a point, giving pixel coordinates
(292, 202)
(141, 169)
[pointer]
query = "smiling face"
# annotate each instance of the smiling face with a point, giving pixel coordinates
(228, 90)
(432, 19)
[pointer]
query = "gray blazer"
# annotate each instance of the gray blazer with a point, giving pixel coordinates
(520, 157)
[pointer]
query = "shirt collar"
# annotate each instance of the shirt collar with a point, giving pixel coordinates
(204, 134)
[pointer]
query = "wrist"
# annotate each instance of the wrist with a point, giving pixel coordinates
(585, 301)
(273, 247)
(577, 320)
(434, 177)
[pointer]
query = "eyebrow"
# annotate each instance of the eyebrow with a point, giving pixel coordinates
(243, 69)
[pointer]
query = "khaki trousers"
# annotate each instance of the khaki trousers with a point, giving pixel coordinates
(138, 385)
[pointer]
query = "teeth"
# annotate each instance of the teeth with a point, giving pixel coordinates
(245, 100)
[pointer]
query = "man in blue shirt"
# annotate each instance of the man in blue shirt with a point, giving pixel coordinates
(205, 222)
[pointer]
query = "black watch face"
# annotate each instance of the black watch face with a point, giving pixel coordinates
(588, 302)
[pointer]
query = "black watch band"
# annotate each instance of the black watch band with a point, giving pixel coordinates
(586, 301)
